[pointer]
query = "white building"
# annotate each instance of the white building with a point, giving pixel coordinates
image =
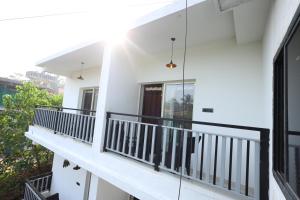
(240, 136)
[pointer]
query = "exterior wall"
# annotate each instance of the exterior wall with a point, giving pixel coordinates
(108, 191)
(228, 78)
(64, 180)
(281, 14)
(72, 90)
(123, 89)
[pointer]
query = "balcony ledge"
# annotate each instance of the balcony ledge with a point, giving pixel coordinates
(131, 176)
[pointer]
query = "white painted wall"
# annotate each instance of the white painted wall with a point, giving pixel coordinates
(280, 17)
(123, 89)
(108, 191)
(228, 78)
(72, 92)
(64, 180)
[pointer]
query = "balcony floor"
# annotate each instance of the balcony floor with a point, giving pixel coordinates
(131, 176)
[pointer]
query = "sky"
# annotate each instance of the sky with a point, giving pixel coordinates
(26, 37)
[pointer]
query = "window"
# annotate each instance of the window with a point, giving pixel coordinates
(89, 100)
(173, 102)
(286, 142)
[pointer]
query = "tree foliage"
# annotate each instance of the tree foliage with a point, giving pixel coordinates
(18, 156)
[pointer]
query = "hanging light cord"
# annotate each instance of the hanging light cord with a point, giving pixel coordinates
(172, 49)
(183, 102)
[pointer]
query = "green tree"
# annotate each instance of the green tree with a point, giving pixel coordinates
(19, 158)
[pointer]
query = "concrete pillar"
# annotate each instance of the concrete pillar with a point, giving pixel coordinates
(99, 131)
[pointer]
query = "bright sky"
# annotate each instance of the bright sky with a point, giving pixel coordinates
(25, 41)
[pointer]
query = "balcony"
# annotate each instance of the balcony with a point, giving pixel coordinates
(228, 157)
(75, 123)
(38, 188)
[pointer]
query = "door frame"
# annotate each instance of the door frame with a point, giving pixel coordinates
(81, 95)
(164, 83)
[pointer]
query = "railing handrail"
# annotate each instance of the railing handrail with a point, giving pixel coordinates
(40, 176)
(31, 186)
(249, 128)
(64, 108)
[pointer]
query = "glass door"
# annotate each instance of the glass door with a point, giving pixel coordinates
(89, 100)
(173, 102)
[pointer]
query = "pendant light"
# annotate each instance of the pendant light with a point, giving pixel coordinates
(171, 65)
(80, 76)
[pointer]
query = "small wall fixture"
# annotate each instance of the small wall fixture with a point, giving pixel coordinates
(76, 167)
(171, 65)
(66, 163)
(80, 76)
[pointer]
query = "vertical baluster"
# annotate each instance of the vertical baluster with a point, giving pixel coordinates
(42, 185)
(145, 141)
(125, 136)
(63, 122)
(42, 118)
(119, 136)
(52, 119)
(131, 137)
(215, 160)
(137, 140)
(87, 128)
(247, 169)
(256, 170)
(49, 118)
(77, 125)
(108, 133)
(184, 151)
(36, 116)
(174, 149)
(47, 181)
(152, 143)
(165, 132)
(208, 158)
(69, 124)
(92, 130)
(74, 125)
(202, 156)
(80, 126)
(230, 163)
(196, 155)
(238, 166)
(115, 122)
(223, 156)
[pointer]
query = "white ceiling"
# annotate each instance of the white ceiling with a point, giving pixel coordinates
(70, 60)
(206, 24)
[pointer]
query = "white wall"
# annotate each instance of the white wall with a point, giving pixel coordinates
(73, 85)
(64, 180)
(108, 191)
(228, 78)
(123, 89)
(280, 17)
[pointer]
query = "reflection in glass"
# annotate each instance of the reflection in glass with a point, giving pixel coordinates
(293, 98)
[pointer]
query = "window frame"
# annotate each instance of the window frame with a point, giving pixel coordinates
(280, 109)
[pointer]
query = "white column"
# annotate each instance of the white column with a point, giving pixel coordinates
(99, 130)
(94, 192)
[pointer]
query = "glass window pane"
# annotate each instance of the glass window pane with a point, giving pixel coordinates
(293, 99)
(173, 102)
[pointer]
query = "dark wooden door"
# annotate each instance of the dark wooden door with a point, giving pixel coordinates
(152, 101)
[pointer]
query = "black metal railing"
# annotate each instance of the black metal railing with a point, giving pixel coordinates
(38, 188)
(233, 158)
(79, 125)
